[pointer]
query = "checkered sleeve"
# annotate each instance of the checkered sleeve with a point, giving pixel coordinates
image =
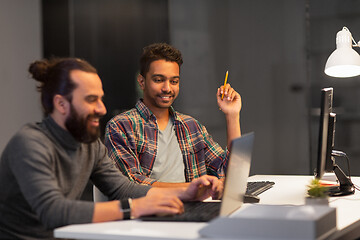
(121, 145)
(215, 157)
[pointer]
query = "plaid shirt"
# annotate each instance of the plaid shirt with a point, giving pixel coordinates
(132, 139)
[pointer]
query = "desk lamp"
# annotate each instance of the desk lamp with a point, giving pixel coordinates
(344, 61)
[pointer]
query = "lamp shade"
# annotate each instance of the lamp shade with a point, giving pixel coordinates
(344, 61)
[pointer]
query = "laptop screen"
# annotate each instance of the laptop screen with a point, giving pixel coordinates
(237, 173)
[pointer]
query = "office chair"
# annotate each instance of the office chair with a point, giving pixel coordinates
(98, 196)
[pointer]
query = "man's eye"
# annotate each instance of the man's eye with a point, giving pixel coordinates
(91, 99)
(158, 80)
(174, 81)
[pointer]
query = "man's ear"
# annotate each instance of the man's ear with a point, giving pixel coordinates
(141, 81)
(61, 104)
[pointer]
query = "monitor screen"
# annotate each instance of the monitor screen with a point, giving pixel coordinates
(326, 133)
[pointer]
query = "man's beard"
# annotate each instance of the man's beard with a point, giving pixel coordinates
(78, 127)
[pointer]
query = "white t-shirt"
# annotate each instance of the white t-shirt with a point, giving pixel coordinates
(169, 164)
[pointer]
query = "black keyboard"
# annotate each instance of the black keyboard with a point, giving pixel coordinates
(258, 187)
(193, 212)
(206, 211)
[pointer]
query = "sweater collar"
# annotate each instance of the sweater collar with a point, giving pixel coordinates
(63, 136)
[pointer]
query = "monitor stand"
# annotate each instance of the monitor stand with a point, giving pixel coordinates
(346, 186)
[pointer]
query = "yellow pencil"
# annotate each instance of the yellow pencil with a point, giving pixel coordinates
(226, 76)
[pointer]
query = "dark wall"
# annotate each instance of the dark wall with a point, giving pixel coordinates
(325, 19)
(55, 26)
(110, 34)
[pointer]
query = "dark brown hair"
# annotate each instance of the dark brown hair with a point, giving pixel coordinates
(54, 77)
(158, 51)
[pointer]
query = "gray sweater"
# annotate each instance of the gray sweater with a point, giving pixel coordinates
(43, 173)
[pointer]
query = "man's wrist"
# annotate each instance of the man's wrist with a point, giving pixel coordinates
(233, 116)
(125, 208)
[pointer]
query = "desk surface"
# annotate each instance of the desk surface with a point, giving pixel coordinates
(288, 190)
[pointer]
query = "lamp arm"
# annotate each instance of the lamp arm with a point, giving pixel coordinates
(356, 44)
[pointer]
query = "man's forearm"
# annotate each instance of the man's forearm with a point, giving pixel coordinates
(169, 184)
(175, 191)
(158, 201)
(107, 211)
(198, 190)
(232, 128)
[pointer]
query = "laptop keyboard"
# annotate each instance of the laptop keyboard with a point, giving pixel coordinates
(193, 212)
(206, 211)
(258, 187)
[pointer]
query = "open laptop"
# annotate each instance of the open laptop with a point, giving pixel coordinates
(234, 188)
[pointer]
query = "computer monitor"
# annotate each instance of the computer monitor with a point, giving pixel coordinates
(326, 153)
(326, 134)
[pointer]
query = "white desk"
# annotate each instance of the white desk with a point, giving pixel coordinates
(287, 190)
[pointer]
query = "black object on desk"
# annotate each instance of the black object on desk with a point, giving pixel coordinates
(206, 211)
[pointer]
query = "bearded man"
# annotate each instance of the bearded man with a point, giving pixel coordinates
(45, 167)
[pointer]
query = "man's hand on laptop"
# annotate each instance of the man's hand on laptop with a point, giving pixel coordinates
(202, 188)
(156, 202)
(168, 201)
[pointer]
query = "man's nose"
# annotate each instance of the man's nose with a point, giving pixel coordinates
(166, 86)
(100, 108)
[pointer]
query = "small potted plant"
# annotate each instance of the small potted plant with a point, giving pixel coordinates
(317, 193)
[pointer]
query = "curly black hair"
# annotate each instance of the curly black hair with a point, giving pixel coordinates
(158, 51)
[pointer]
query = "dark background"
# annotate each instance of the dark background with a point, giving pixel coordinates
(275, 52)
(110, 34)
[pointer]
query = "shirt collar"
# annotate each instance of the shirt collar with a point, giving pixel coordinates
(145, 112)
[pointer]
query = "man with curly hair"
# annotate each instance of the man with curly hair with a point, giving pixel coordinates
(155, 145)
